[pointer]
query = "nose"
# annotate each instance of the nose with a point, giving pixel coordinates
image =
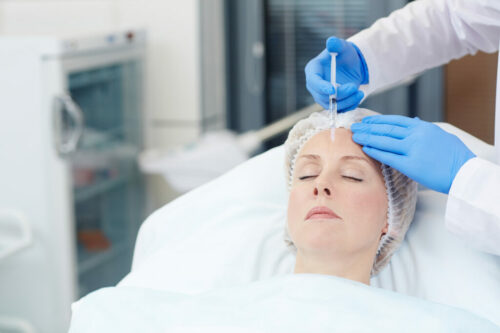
(322, 189)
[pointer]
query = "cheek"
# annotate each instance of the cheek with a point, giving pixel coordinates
(297, 203)
(373, 200)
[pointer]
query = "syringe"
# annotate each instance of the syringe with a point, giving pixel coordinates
(333, 98)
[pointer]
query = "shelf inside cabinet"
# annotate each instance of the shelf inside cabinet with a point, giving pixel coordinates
(87, 192)
(88, 260)
(101, 170)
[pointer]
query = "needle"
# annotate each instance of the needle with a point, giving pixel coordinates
(333, 97)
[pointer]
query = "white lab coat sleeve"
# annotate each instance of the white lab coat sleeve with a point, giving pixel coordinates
(473, 207)
(425, 34)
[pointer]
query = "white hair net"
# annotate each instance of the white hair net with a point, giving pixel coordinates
(401, 190)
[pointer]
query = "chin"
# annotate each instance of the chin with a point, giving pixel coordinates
(321, 241)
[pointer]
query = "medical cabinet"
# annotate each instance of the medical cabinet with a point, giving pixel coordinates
(71, 195)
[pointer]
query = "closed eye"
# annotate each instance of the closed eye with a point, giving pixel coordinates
(353, 178)
(306, 177)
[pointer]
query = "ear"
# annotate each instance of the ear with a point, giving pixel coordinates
(385, 229)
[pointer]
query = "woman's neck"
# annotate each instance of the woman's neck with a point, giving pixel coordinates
(357, 269)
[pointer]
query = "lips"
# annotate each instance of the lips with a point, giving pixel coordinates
(321, 213)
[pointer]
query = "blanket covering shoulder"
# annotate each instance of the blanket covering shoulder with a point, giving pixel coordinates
(289, 303)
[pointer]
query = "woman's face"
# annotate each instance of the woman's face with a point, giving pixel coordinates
(338, 201)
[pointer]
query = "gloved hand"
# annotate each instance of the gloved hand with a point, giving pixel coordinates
(351, 73)
(419, 149)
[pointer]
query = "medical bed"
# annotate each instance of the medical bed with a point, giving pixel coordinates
(228, 235)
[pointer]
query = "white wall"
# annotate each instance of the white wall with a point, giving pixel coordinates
(173, 76)
(173, 94)
(173, 66)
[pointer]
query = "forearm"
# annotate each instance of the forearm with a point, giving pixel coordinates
(426, 34)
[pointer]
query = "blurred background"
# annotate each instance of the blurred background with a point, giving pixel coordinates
(110, 109)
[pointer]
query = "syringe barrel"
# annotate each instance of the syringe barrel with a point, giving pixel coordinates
(333, 71)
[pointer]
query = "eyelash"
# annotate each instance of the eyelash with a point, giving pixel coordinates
(354, 179)
(347, 177)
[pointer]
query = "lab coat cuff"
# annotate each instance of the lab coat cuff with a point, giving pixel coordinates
(472, 207)
(470, 175)
(370, 59)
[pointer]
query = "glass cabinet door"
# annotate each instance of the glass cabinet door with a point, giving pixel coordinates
(108, 190)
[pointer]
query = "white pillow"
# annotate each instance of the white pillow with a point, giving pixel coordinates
(230, 231)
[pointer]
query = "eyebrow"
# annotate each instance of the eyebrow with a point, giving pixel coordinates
(310, 157)
(346, 157)
(354, 157)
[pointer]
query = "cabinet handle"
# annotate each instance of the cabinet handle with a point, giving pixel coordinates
(15, 324)
(64, 103)
(12, 220)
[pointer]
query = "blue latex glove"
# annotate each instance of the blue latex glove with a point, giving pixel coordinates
(419, 149)
(351, 73)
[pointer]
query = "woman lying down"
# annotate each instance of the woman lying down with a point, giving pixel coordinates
(347, 214)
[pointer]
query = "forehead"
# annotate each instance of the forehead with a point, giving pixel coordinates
(321, 144)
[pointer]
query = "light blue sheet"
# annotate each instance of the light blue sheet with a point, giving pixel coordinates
(290, 303)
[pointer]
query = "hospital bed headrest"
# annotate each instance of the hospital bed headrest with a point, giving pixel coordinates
(230, 231)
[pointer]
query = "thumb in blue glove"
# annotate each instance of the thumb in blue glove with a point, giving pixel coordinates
(419, 149)
(351, 73)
